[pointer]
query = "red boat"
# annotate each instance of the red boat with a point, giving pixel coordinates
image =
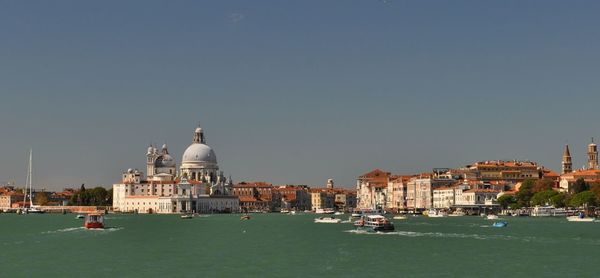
(94, 221)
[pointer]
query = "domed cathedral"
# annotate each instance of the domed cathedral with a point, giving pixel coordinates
(199, 186)
(199, 165)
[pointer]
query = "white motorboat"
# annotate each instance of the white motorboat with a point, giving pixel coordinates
(457, 213)
(324, 211)
(187, 216)
(328, 220)
(436, 213)
(338, 213)
(580, 218)
(400, 217)
(80, 216)
(374, 223)
(355, 214)
(492, 217)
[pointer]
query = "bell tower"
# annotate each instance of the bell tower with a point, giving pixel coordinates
(567, 164)
(592, 156)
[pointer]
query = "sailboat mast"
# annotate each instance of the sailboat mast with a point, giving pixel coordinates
(26, 190)
(30, 178)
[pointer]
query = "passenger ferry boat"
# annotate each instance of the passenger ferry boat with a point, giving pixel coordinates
(94, 221)
(374, 223)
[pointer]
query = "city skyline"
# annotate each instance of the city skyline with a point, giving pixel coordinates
(294, 93)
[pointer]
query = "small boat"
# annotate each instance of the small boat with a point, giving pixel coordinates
(338, 213)
(492, 217)
(245, 217)
(187, 216)
(500, 224)
(355, 214)
(293, 212)
(285, 211)
(436, 213)
(328, 220)
(80, 216)
(457, 213)
(374, 223)
(400, 217)
(580, 218)
(94, 221)
(324, 211)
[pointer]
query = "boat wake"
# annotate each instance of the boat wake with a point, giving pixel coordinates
(65, 230)
(435, 235)
(75, 229)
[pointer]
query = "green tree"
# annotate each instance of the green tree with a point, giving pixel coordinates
(579, 186)
(559, 200)
(41, 199)
(548, 197)
(583, 199)
(525, 193)
(506, 200)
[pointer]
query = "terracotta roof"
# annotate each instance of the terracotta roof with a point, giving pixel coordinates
(253, 184)
(377, 173)
(482, 191)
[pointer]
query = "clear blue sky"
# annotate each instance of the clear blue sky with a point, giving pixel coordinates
(294, 91)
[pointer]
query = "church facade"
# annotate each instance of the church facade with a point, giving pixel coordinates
(199, 186)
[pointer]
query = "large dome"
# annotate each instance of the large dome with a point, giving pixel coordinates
(199, 153)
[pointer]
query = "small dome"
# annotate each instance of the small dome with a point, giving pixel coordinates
(197, 153)
(164, 161)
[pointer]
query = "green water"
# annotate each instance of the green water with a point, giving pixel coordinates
(273, 245)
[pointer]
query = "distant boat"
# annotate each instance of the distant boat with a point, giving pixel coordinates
(400, 217)
(324, 211)
(500, 224)
(80, 216)
(94, 221)
(492, 217)
(29, 184)
(338, 213)
(187, 216)
(580, 218)
(328, 220)
(436, 213)
(457, 213)
(245, 217)
(374, 223)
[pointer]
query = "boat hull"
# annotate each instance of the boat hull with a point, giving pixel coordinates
(94, 225)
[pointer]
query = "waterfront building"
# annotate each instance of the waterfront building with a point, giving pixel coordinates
(256, 196)
(567, 180)
(321, 198)
(198, 187)
(419, 193)
(512, 171)
(397, 187)
(478, 198)
(8, 199)
(443, 197)
(371, 189)
(294, 197)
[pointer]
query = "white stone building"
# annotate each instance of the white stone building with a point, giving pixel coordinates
(199, 186)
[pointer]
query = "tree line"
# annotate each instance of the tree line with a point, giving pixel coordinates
(540, 193)
(97, 196)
